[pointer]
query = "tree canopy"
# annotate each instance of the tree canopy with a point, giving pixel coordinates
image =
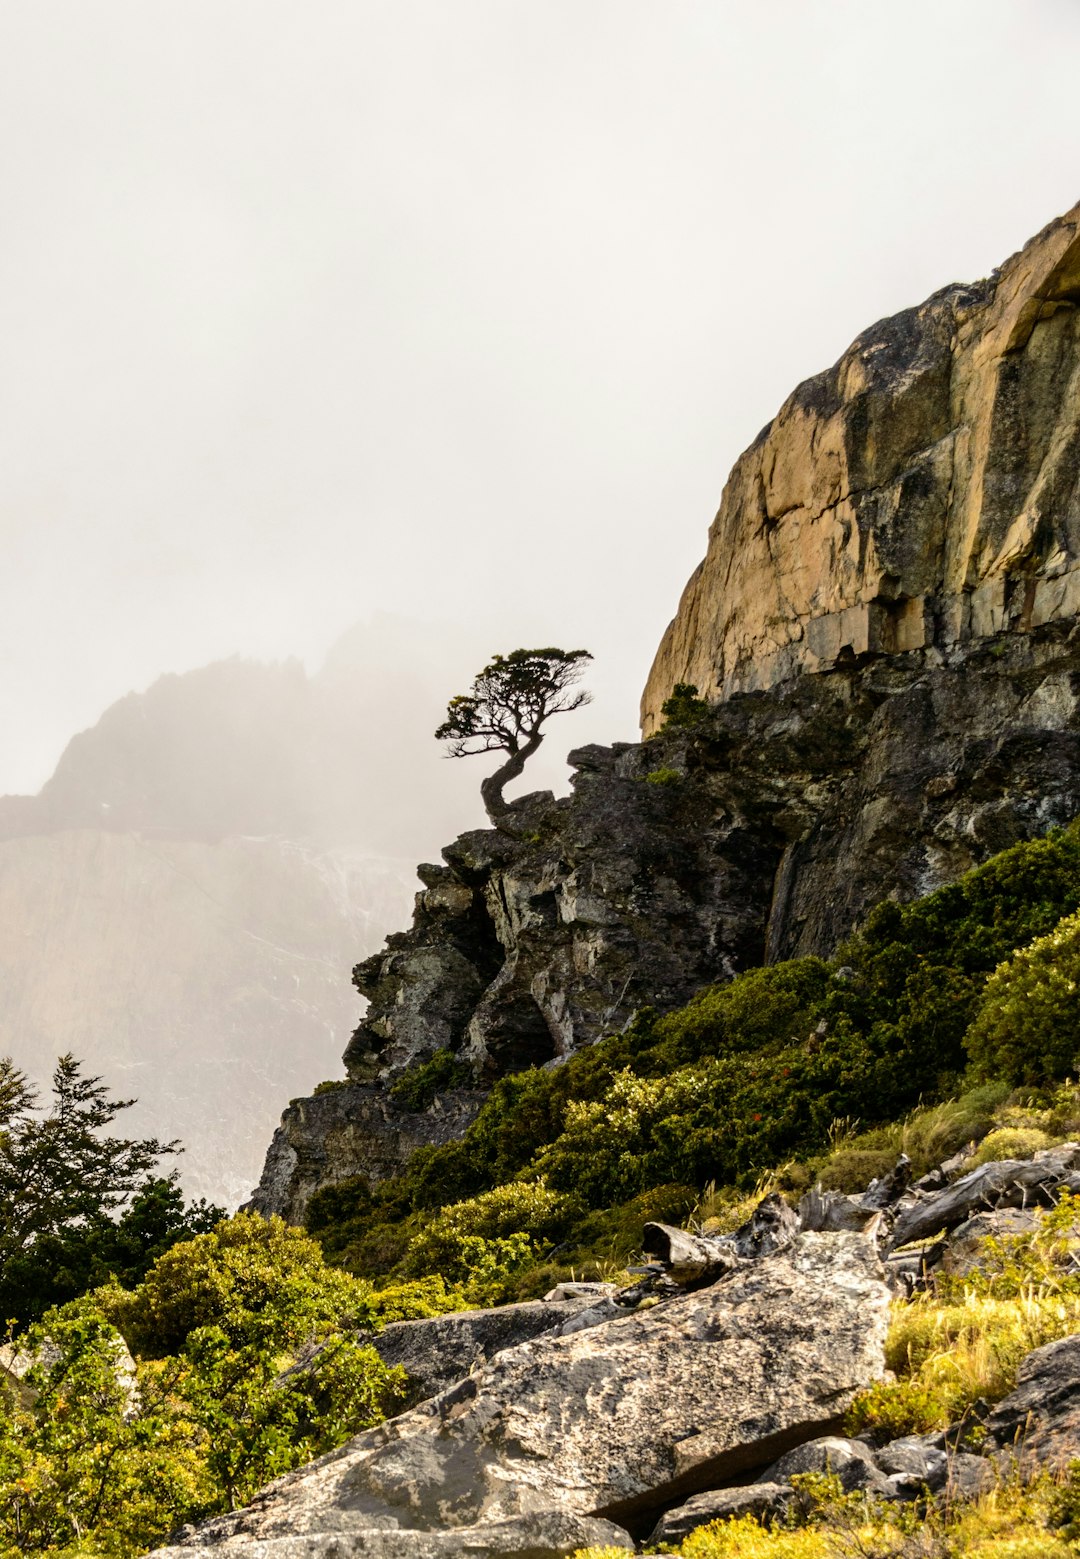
(505, 710)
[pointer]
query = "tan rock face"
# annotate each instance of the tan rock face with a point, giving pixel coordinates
(923, 491)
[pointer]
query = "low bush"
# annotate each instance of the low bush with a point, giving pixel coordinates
(1010, 1142)
(483, 1242)
(419, 1087)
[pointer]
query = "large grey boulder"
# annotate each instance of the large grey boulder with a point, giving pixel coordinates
(435, 1353)
(618, 1420)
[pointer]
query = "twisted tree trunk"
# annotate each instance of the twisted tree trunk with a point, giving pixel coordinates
(492, 788)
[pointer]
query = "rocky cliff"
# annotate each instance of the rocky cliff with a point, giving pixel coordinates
(886, 628)
(765, 831)
(924, 491)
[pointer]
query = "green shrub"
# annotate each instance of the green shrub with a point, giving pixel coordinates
(684, 707)
(1010, 1142)
(1026, 1029)
(851, 1169)
(484, 1240)
(663, 776)
(419, 1087)
(257, 1279)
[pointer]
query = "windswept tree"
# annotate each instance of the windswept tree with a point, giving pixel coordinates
(506, 708)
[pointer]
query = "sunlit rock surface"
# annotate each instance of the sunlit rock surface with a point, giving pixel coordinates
(924, 491)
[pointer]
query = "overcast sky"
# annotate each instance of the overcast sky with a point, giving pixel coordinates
(459, 310)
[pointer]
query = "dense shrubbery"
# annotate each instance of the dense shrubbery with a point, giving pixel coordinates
(249, 1362)
(1028, 1026)
(748, 1074)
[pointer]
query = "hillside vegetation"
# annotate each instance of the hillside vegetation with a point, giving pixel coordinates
(212, 1364)
(789, 1071)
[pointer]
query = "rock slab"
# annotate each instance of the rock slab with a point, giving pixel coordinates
(617, 1421)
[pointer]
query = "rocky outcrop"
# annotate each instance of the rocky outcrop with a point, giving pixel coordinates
(346, 1131)
(765, 831)
(924, 492)
(614, 1421)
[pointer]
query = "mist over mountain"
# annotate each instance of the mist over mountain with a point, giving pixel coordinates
(182, 903)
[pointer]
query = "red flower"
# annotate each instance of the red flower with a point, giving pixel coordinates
(757, 1117)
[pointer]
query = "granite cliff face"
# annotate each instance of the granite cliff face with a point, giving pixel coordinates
(925, 491)
(886, 627)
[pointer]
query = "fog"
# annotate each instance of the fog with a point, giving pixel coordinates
(456, 312)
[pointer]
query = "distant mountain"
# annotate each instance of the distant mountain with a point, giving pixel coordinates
(183, 901)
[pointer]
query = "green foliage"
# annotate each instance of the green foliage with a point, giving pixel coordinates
(78, 1471)
(663, 776)
(250, 1362)
(684, 707)
(1026, 1027)
(1010, 1142)
(483, 1242)
(511, 698)
(256, 1279)
(418, 1088)
(77, 1204)
(331, 1085)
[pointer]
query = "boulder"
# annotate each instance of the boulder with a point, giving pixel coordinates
(763, 1501)
(436, 1352)
(543, 1534)
(849, 1460)
(1039, 1422)
(617, 1421)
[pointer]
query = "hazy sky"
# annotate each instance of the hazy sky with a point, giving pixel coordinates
(459, 310)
